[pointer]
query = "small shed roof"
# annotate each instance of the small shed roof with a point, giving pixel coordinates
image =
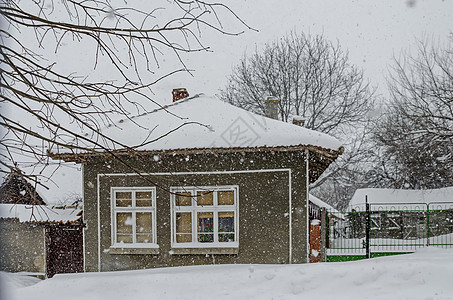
(40, 213)
(399, 197)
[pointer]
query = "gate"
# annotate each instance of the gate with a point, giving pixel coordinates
(64, 249)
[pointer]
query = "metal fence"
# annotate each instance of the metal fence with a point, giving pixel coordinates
(380, 229)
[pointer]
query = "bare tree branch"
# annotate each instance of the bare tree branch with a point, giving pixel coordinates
(61, 111)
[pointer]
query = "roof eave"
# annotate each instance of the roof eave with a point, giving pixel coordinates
(82, 157)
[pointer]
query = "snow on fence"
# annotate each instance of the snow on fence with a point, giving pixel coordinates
(390, 228)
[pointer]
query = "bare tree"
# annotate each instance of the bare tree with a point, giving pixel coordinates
(406, 159)
(311, 77)
(414, 139)
(422, 90)
(130, 42)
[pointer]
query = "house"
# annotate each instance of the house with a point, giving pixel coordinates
(35, 237)
(207, 183)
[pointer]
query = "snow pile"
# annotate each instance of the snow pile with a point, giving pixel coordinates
(400, 197)
(425, 274)
(18, 280)
(39, 213)
(206, 122)
(10, 282)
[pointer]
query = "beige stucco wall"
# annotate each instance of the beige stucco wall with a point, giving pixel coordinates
(22, 246)
(263, 206)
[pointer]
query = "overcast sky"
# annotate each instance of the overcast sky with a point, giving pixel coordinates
(372, 31)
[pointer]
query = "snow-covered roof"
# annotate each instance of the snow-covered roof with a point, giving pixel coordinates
(202, 122)
(39, 213)
(318, 202)
(401, 197)
(299, 118)
(15, 189)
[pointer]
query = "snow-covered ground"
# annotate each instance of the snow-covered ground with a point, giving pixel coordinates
(426, 274)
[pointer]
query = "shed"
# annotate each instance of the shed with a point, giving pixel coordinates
(37, 238)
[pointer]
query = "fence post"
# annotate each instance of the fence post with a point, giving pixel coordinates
(367, 228)
(427, 225)
(324, 224)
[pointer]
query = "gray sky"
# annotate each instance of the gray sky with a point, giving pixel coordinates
(372, 31)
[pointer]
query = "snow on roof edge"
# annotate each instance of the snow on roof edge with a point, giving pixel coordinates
(401, 196)
(39, 213)
(315, 200)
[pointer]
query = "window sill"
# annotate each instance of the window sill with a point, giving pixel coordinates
(204, 251)
(132, 250)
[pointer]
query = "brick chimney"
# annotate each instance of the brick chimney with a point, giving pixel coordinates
(271, 107)
(299, 121)
(179, 94)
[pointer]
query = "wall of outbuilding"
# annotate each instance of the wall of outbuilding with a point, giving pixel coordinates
(22, 246)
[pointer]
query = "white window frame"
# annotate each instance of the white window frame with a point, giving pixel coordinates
(133, 209)
(194, 209)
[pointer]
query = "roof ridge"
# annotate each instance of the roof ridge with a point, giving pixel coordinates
(164, 107)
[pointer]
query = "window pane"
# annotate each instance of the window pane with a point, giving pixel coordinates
(183, 238)
(183, 199)
(206, 238)
(225, 197)
(205, 198)
(144, 221)
(124, 227)
(124, 222)
(184, 227)
(144, 238)
(144, 227)
(226, 226)
(143, 203)
(205, 225)
(124, 195)
(184, 222)
(143, 199)
(124, 238)
(143, 195)
(123, 199)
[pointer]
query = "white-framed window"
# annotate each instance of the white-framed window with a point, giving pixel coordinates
(134, 217)
(205, 217)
